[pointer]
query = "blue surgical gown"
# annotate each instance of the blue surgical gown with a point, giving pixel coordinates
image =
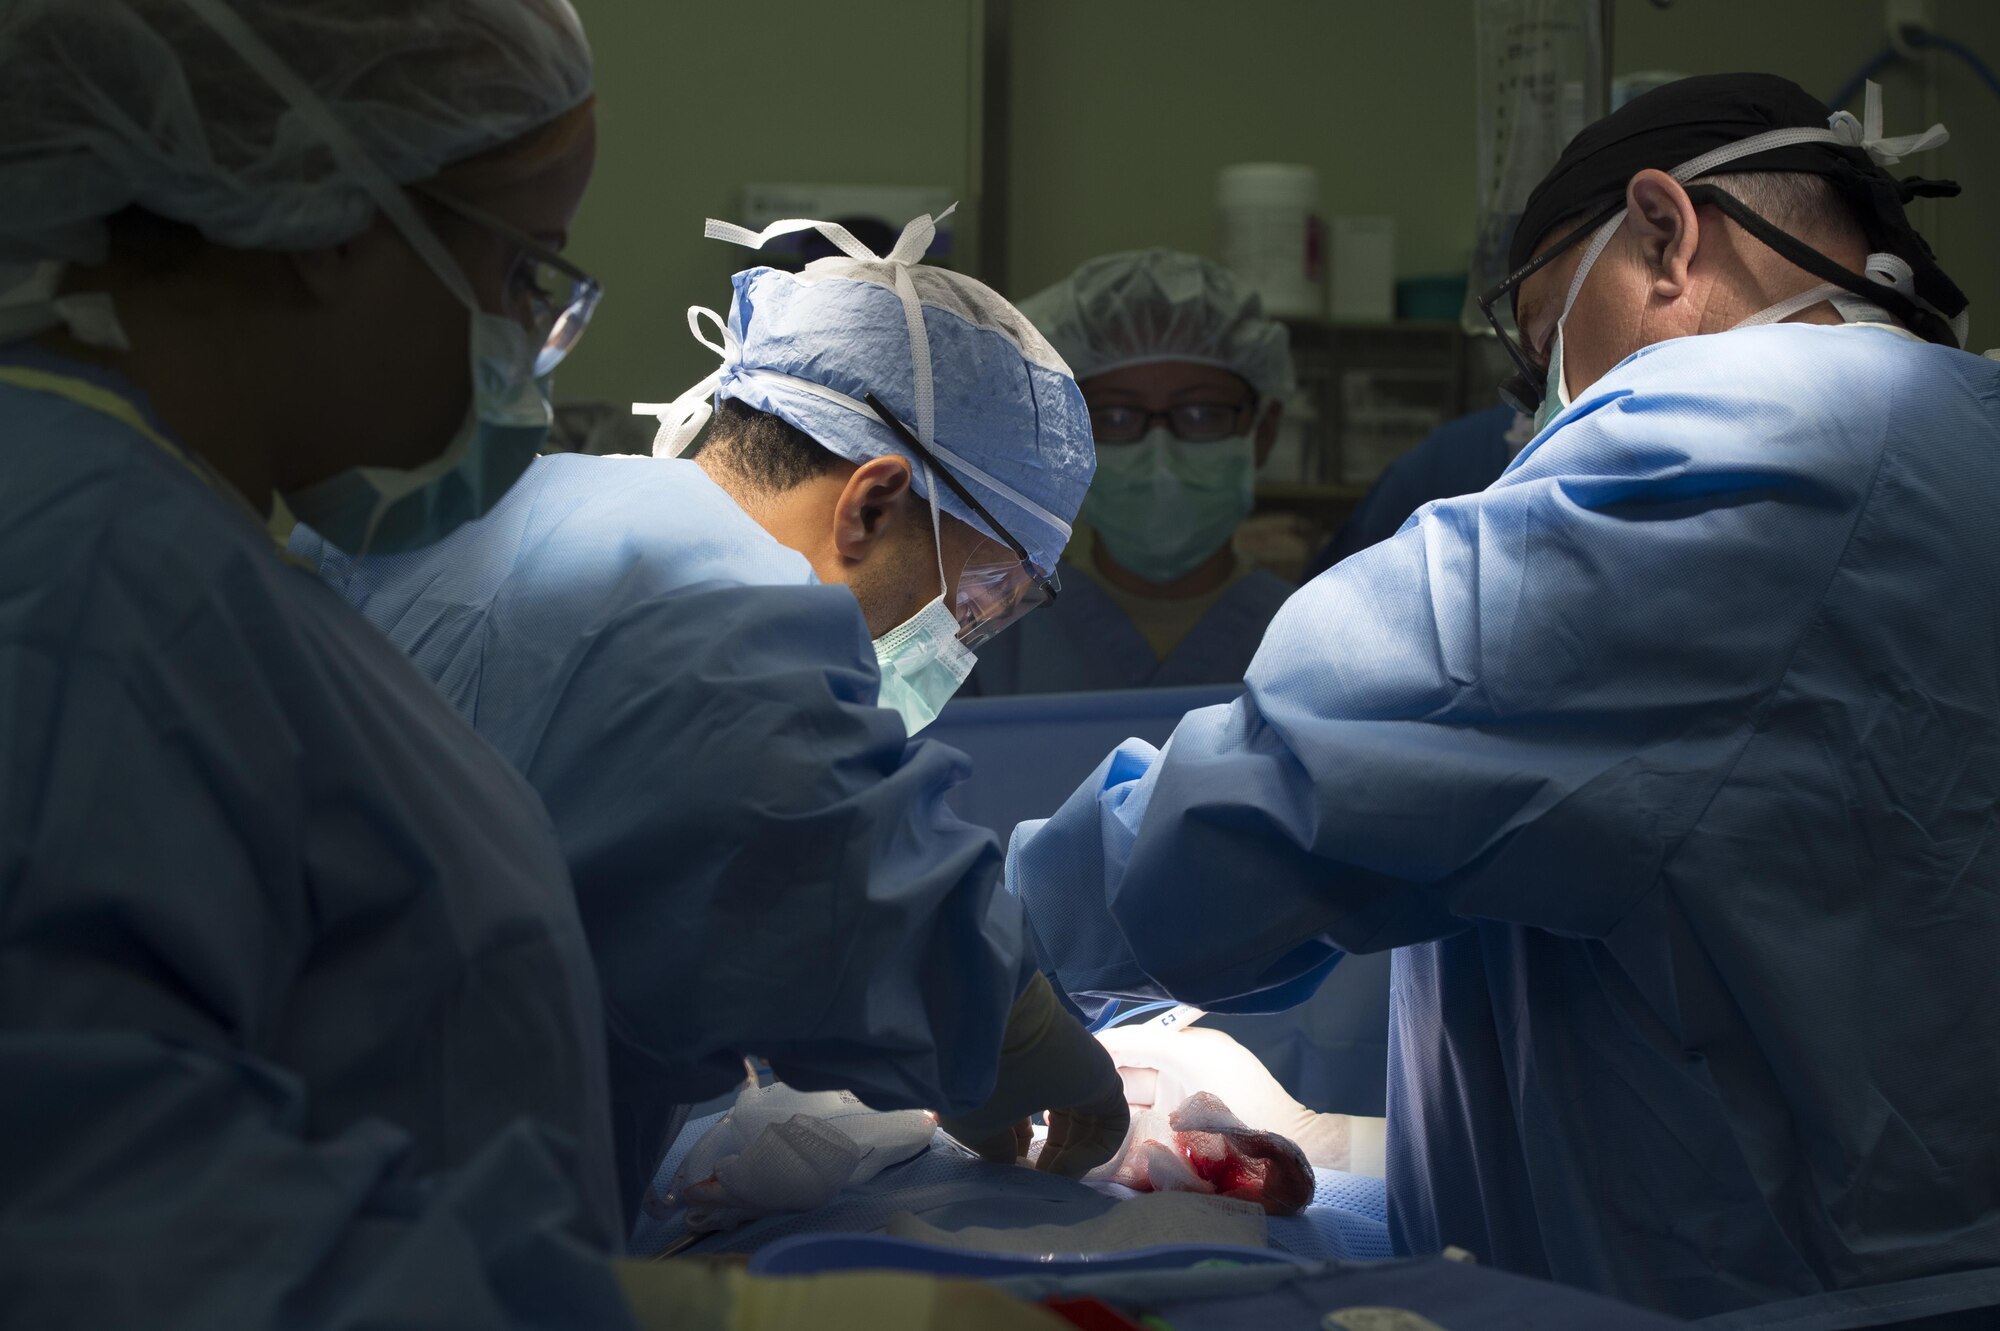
(1670, 764)
(1084, 642)
(763, 861)
(297, 1024)
(1460, 457)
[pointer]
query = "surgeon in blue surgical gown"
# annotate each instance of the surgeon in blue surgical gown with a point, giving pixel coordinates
(1668, 764)
(299, 1028)
(764, 860)
(297, 1023)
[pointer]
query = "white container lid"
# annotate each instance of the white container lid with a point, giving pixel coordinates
(1267, 184)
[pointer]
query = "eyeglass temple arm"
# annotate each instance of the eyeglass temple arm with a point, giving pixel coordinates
(1512, 282)
(909, 437)
(510, 233)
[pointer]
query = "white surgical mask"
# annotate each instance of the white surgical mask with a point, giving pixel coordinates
(921, 659)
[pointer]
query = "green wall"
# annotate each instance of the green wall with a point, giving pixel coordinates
(696, 100)
(1820, 43)
(1123, 110)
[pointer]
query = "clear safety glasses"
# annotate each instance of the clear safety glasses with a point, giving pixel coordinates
(1523, 392)
(998, 585)
(546, 294)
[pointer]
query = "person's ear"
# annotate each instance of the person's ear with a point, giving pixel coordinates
(1267, 432)
(1663, 224)
(864, 513)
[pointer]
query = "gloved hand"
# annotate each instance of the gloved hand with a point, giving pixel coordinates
(1048, 1062)
(690, 1294)
(1165, 1065)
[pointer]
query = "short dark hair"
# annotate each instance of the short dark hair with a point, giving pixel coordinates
(760, 451)
(1805, 205)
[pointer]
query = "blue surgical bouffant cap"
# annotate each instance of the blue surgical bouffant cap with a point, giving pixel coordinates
(946, 354)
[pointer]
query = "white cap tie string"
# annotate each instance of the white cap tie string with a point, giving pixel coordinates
(683, 418)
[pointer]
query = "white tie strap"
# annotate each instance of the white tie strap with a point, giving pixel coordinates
(683, 418)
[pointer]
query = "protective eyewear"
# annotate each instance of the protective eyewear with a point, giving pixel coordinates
(546, 294)
(1190, 422)
(993, 593)
(1523, 391)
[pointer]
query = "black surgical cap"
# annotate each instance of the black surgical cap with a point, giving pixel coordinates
(1689, 118)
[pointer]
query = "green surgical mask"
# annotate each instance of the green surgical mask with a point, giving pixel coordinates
(1162, 506)
(921, 659)
(1555, 391)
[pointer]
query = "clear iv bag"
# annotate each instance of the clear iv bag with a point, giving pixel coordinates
(1542, 77)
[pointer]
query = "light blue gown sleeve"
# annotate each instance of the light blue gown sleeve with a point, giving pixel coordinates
(154, 1169)
(1511, 710)
(765, 864)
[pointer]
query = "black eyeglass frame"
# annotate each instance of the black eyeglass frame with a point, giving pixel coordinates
(1523, 391)
(1242, 411)
(1049, 585)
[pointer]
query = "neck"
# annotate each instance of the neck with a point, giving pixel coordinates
(794, 518)
(1762, 279)
(1722, 318)
(1204, 578)
(201, 391)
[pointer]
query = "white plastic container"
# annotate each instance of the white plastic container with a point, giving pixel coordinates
(1272, 234)
(1363, 287)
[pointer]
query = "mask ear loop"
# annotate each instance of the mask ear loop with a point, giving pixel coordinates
(1589, 261)
(1583, 267)
(937, 532)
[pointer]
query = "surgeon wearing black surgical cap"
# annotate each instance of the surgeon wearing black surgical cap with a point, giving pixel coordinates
(1668, 764)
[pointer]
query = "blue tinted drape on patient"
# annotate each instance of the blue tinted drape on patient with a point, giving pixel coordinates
(297, 1024)
(1672, 764)
(763, 862)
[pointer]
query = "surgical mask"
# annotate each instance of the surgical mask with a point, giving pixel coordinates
(1162, 506)
(921, 659)
(384, 510)
(1555, 391)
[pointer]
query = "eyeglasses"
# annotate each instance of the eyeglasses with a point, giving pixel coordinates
(1190, 422)
(992, 592)
(1523, 392)
(546, 294)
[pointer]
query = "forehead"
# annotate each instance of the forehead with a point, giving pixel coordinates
(541, 194)
(1163, 381)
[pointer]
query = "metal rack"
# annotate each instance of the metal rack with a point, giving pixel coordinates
(1367, 393)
